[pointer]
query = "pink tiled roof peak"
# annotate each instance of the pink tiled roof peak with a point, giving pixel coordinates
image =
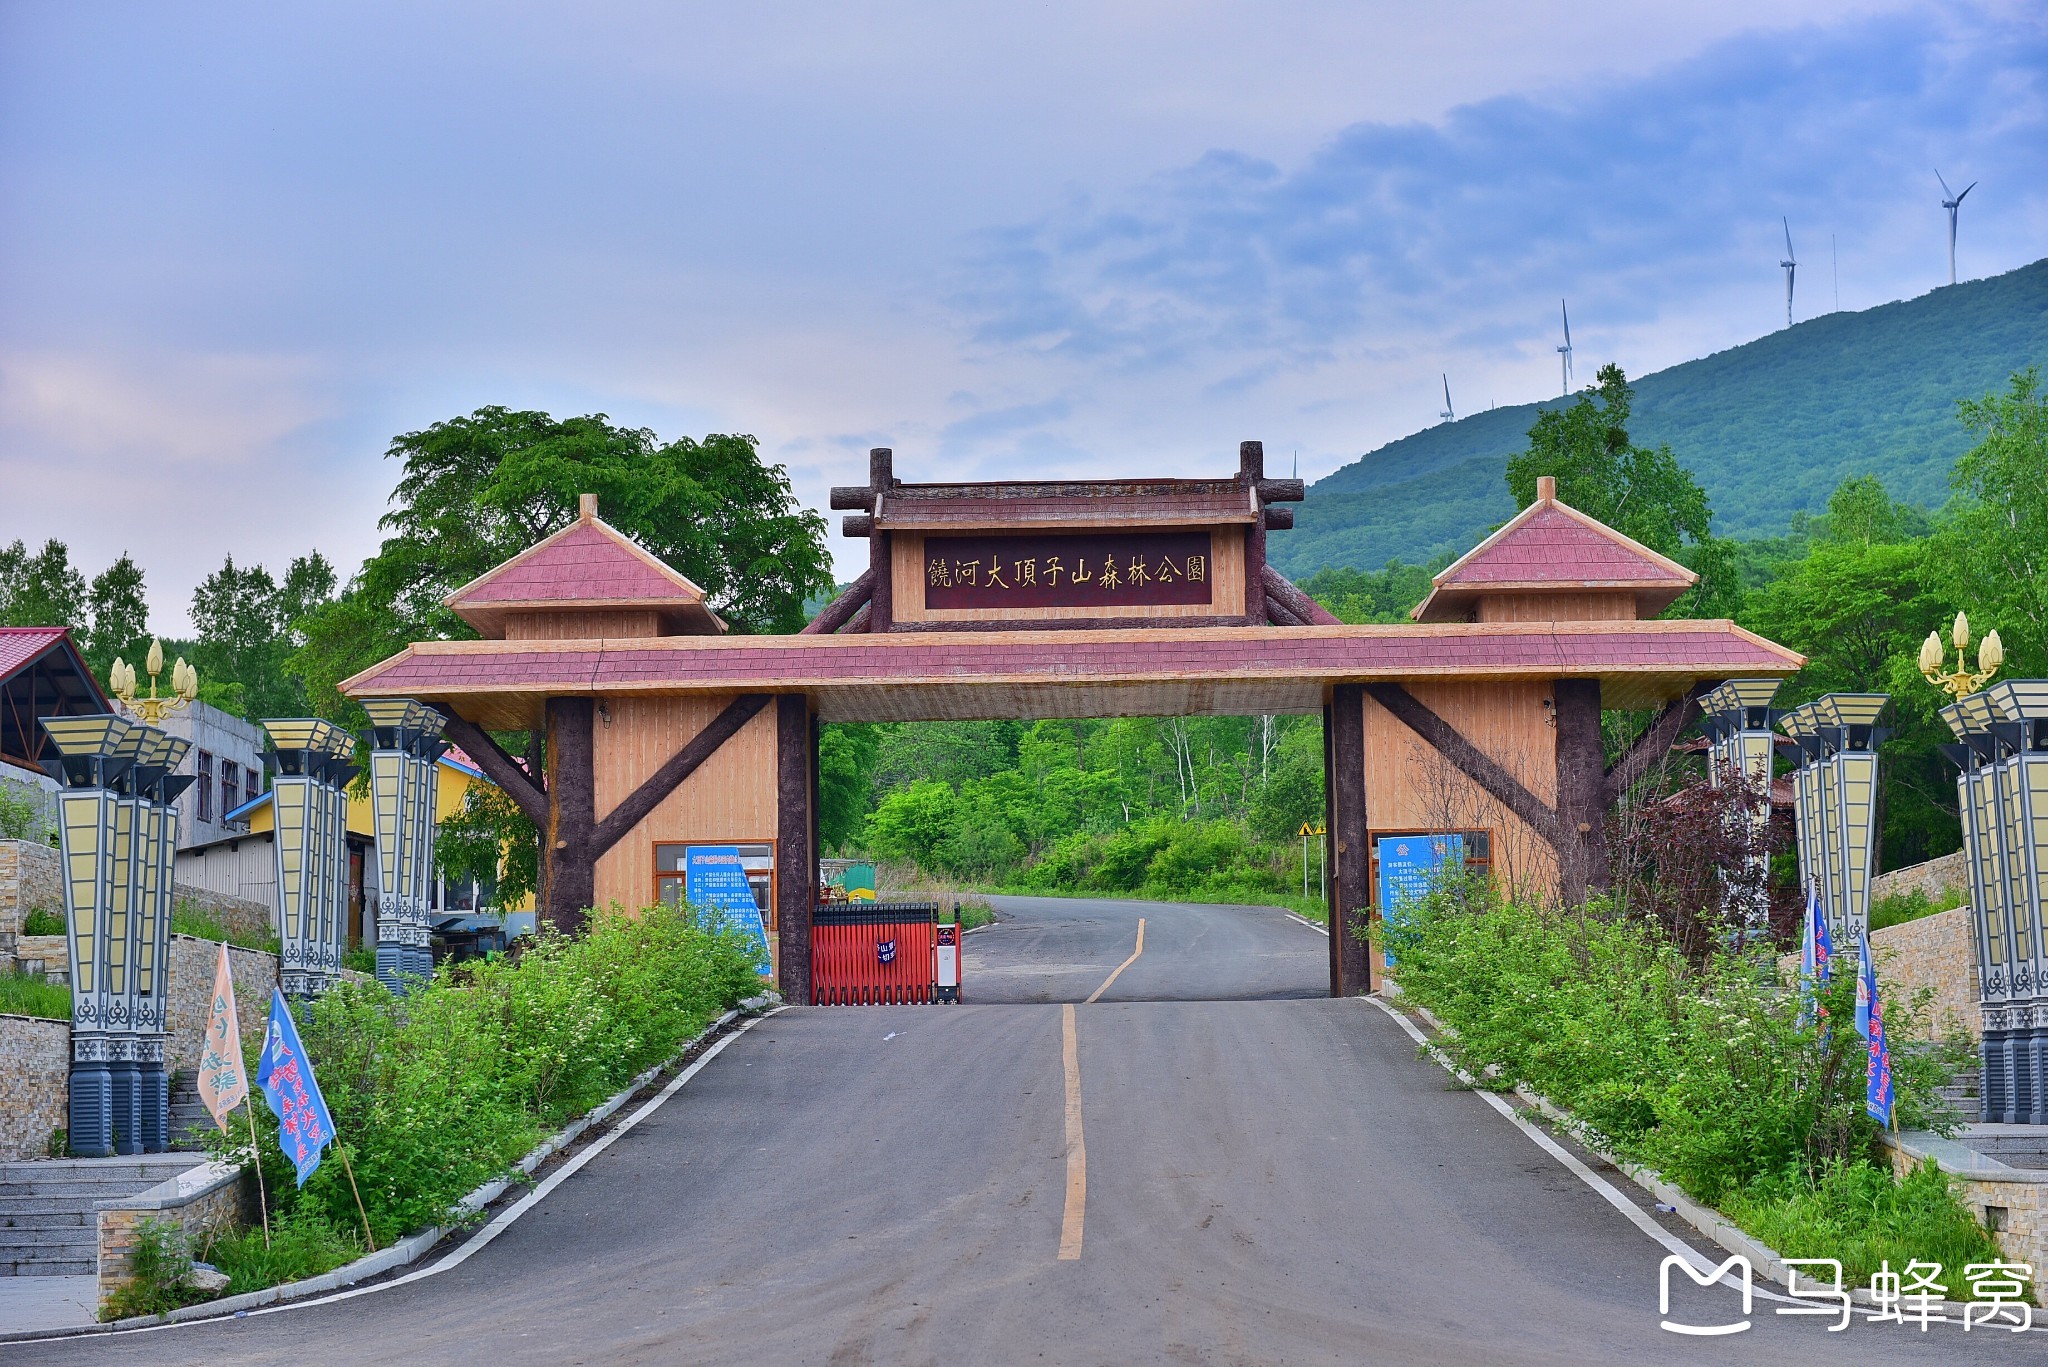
(588, 563)
(19, 645)
(1551, 545)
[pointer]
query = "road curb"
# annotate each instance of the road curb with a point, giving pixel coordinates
(416, 1246)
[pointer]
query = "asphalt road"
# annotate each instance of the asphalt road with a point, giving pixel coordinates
(1270, 1177)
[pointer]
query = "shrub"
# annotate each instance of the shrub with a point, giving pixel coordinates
(21, 995)
(159, 1267)
(43, 921)
(1710, 1072)
(301, 1245)
(437, 1092)
(1856, 1212)
(21, 815)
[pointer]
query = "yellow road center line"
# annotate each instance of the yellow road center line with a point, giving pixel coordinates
(1077, 1148)
(1122, 966)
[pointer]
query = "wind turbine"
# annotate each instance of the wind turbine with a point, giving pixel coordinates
(1952, 203)
(1564, 353)
(1791, 265)
(1447, 415)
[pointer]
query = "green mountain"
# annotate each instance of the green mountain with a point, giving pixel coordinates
(1770, 428)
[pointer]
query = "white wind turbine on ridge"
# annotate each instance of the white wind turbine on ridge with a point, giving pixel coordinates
(1791, 265)
(1952, 203)
(1564, 355)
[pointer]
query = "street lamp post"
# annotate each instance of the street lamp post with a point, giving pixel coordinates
(1738, 719)
(310, 804)
(405, 792)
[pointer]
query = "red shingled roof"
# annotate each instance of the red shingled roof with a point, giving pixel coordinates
(587, 564)
(19, 645)
(1552, 547)
(1673, 654)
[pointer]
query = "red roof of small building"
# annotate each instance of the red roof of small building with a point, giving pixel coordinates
(1552, 547)
(19, 645)
(588, 564)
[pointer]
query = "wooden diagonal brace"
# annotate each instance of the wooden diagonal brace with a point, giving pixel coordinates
(1289, 595)
(1656, 740)
(1467, 758)
(665, 780)
(842, 609)
(500, 768)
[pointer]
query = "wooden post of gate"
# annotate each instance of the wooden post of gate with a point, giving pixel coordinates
(1350, 864)
(796, 856)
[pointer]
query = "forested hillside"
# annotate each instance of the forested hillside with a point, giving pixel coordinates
(1770, 428)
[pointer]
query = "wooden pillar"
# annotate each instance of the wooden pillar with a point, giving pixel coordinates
(882, 597)
(796, 854)
(1251, 469)
(1350, 858)
(1581, 797)
(568, 851)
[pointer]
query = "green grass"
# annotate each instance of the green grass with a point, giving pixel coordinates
(1902, 907)
(206, 924)
(300, 1245)
(21, 995)
(43, 921)
(1857, 1213)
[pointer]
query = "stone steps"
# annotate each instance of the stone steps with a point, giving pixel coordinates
(49, 1216)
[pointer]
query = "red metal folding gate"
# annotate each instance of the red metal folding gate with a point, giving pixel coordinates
(874, 954)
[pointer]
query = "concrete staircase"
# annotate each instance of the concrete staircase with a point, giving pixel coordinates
(49, 1223)
(188, 1113)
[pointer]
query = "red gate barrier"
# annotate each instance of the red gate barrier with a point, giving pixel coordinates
(874, 954)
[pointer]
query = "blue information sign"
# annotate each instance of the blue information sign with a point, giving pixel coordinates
(1409, 866)
(715, 877)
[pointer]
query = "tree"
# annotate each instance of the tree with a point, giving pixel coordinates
(846, 768)
(1640, 492)
(475, 491)
(1994, 548)
(248, 626)
(120, 616)
(42, 590)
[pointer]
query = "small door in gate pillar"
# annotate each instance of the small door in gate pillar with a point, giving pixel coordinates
(946, 968)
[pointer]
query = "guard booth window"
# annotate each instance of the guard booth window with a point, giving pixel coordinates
(671, 863)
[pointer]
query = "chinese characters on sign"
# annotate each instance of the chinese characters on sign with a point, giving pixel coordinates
(1131, 569)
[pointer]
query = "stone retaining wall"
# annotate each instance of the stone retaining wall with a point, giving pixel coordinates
(2014, 1203)
(1936, 953)
(35, 1065)
(210, 1198)
(30, 877)
(1932, 878)
(190, 998)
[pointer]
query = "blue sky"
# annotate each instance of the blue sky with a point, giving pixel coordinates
(244, 245)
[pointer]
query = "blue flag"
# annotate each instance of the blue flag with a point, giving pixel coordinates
(1866, 986)
(1877, 1096)
(304, 1127)
(1823, 947)
(1806, 964)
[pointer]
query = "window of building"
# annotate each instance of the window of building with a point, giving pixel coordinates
(230, 787)
(203, 803)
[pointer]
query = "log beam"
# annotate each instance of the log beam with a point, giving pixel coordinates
(1289, 595)
(795, 853)
(1350, 858)
(1655, 742)
(842, 609)
(500, 768)
(1581, 790)
(670, 776)
(1468, 759)
(568, 861)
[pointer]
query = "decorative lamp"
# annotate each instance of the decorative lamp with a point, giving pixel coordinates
(1847, 725)
(92, 758)
(2021, 732)
(405, 789)
(310, 756)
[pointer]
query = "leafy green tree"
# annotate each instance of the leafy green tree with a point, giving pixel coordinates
(42, 590)
(491, 842)
(1641, 492)
(1384, 595)
(846, 774)
(120, 616)
(475, 491)
(1994, 548)
(248, 625)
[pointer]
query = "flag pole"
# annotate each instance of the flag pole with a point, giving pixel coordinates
(343, 1151)
(256, 1158)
